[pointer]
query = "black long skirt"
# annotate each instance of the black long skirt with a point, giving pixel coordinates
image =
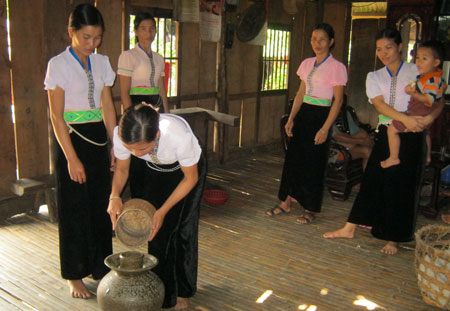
(176, 243)
(305, 163)
(85, 229)
(388, 198)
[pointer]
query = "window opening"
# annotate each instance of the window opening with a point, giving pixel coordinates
(276, 60)
(410, 28)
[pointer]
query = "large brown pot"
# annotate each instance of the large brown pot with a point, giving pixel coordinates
(130, 285)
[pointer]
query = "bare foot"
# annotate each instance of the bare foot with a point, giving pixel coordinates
(389, 162)
(78, 289)
(391, 248)
(348, 231)
(182, 303)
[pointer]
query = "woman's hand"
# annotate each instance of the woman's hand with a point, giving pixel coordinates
(158, 219)
(76, 171)
(321, 137)
(114, 209)
(413, 124)
(288, 127)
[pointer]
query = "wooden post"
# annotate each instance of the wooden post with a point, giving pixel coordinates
(222, 90)
(112, 46)
(7, 145)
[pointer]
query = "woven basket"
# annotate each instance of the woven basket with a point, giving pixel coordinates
(433, 264)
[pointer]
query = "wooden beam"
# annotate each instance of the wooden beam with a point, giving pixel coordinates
(11, 206)
(211, 115)
(28, 71)
(7, 145)
(163, 4)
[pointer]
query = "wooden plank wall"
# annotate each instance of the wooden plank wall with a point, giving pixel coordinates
(7, 146)
(307, 16)
(338, 15)
(272, 109)
(363, 57)
(243, 78)
(197, 71)
(30, 101)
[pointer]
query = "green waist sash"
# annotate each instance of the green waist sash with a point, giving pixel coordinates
(316, 101)
(382, 119)
(144, 91)
(83, 116)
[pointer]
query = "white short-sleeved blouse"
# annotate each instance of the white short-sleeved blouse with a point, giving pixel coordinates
(136, 64)
(327, 75)
(177, 142)
(65, 71)
(392, 88)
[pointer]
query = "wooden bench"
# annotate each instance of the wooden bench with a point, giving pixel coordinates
(30, 195)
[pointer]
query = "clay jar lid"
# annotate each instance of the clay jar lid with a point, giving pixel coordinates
(139, 262)
(134, 225)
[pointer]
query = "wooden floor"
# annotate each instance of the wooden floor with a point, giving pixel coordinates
(242, 254)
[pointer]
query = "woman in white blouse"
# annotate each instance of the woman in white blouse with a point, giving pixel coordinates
(83, 116)
(388, 198)
(168, 170)
(141, 71)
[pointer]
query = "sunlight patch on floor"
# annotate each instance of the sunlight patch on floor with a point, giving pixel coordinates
(362, 301)
(307, 307)
(264, 296)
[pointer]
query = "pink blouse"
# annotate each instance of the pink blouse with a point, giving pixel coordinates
(327, 75)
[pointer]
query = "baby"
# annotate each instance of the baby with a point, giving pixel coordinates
(425, 92)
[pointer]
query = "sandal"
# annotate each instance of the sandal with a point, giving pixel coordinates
(271, 212)
(306, 217)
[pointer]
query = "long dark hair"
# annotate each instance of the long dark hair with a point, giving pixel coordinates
(138, 124)
(391, 34)
(85, 15)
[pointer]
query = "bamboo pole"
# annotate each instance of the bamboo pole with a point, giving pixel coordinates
(222, 90)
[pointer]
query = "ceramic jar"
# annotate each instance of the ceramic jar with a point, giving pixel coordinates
(130, 285)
